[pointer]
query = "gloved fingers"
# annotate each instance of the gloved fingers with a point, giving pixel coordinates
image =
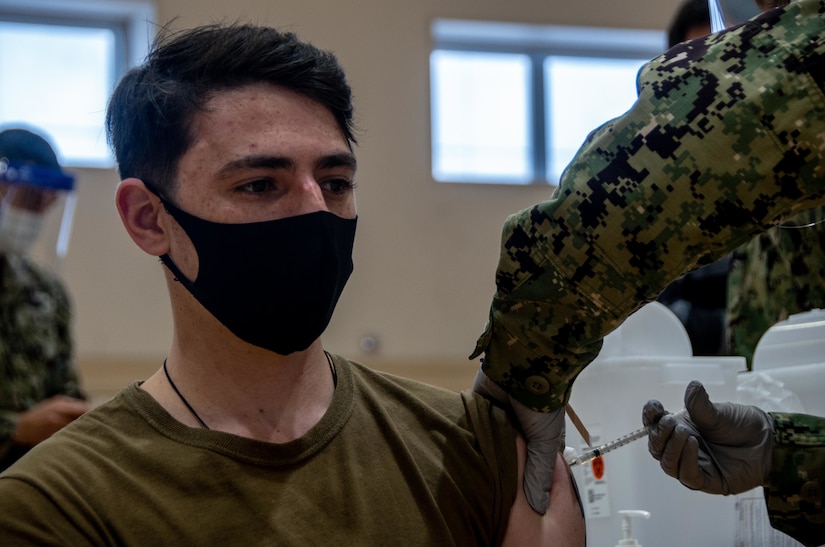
(538, 472)
(660, 435)
(545, 434)
(652, 412)
(672, 451)
(691, 473)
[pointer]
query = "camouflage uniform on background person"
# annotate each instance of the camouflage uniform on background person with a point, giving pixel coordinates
(726, 139)
(777, 274)
(35, 345)
(39, 390)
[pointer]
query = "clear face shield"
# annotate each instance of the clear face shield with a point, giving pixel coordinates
(32, 199)
(729, 13)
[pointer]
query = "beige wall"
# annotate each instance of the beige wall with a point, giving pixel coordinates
(425, 252)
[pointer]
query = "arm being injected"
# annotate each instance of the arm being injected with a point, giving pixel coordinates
(595, 452)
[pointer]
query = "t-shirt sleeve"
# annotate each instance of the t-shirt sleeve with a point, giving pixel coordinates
(28, 516)
(496, 438)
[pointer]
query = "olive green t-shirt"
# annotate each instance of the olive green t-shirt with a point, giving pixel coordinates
(393, 461)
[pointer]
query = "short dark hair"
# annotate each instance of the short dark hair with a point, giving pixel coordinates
(692, 13)
(150, 115)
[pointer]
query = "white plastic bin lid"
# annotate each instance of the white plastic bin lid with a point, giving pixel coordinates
(798, 340)
(652, 330)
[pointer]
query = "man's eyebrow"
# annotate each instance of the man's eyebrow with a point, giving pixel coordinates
(343, 159)
(256, 162)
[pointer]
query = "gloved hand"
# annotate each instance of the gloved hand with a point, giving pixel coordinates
(544, 433)
(718, 448)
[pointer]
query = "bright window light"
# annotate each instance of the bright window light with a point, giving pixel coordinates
(582, 94)
(481, 118)
(58, 78)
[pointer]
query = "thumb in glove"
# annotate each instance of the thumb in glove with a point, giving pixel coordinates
(545, 435)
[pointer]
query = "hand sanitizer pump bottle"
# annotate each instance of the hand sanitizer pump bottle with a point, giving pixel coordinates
(627, 530)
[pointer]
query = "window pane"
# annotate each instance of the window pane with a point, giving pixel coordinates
(583, 93)
(480, 117)
(58, 79)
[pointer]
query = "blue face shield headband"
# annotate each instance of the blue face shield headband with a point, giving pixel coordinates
(45, 178)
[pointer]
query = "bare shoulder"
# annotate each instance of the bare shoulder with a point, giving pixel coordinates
(562, 525)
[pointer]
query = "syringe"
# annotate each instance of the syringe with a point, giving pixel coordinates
(600, 450)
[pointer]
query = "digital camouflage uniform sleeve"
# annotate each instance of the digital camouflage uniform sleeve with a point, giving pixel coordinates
(726, 138)
(795, 493)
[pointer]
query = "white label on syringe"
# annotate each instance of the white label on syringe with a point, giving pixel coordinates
(595, 492)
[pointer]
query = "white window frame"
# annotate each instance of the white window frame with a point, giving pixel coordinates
(539, 42)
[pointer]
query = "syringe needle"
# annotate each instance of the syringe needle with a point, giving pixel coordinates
(600, 450)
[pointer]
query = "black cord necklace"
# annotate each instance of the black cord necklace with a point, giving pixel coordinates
(195, 414)
(182, 398)
(332, 369)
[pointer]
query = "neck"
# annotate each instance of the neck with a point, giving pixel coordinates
(234, 386)
(255, 394)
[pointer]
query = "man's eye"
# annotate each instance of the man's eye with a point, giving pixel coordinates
(256, 186)
(339, 186)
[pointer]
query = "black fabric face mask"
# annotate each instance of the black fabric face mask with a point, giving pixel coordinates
(273, 284)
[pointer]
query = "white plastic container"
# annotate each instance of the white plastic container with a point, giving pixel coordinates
(793, 352)
(792, 355)
(798, 340)
(648, 357)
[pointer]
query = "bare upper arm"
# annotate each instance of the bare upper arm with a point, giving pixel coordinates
(562, 525)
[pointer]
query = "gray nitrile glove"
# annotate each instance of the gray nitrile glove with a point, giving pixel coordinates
(544, 433)
(718, 448)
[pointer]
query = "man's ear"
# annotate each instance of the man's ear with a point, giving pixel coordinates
(140, 212)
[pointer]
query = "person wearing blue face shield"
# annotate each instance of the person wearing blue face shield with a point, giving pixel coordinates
(39, 388)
